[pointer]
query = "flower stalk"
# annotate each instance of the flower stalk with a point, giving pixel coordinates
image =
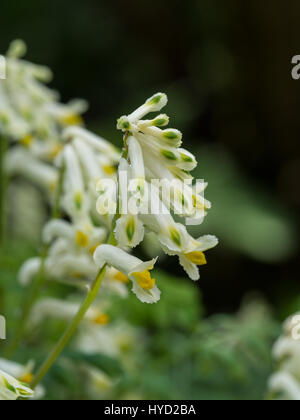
(37, 284)
(91, 296)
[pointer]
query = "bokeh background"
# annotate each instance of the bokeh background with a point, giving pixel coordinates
(226, 67)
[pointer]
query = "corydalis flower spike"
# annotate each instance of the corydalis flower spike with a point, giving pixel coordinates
(163, 185)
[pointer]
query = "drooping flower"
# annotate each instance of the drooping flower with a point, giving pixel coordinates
(144, 286)
(159, 186)
(66, 310)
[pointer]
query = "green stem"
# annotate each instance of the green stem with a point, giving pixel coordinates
(39, 280)
(91, 296)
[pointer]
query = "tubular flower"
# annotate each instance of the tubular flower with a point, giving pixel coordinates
(12, 389)
(22, 163)
(30, 112)
(158, 184)
(66, 310)
(137, 271)
(285, 383)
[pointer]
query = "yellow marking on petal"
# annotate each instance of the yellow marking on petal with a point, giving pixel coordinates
(109, 169)
(102, 319)
(27, 140)
(121, 277)
(71, 119)
(82, 239)
(77, 275)
(196, 257)
(27, 378)
(93, 248)
(56, 151)
(144, 280)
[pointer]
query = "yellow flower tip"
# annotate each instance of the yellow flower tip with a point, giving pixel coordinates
(102, 319)
(82, 239)
(121, 277)
(144, 280)
(27, 378)
(109, 169)
(197, 258)
(56, 151)
(71, 119)
(27, 140)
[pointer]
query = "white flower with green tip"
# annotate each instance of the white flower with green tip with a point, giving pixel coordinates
(11, 389)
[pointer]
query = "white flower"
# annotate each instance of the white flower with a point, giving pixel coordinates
(129, 229)
(136, 270)
(112, 340)
(22, 373)
(286, 352)
(12, 389)
(21, 162)
(96, 142)
(75, 199)
(175, 240)
(155, 154)
(65, 310)
(68, 115)
(285, 384)
(82, 234)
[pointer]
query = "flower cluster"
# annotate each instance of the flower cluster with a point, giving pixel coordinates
(152, 153)
(32, 119)
(285, 383)
(94, 227)
(84, 160)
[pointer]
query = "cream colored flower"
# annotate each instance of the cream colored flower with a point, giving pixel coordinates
(136, 270)
(12, 389)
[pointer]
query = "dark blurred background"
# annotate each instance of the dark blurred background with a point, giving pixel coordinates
(226, 67)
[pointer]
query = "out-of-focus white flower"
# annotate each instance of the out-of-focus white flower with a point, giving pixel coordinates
(97, 143)
(136, 270)
(284, 384)
(12, 389)
(114, 340)
(99, 383)
(21, 162)
(286, 353)
(66, 310)
(30, 112)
